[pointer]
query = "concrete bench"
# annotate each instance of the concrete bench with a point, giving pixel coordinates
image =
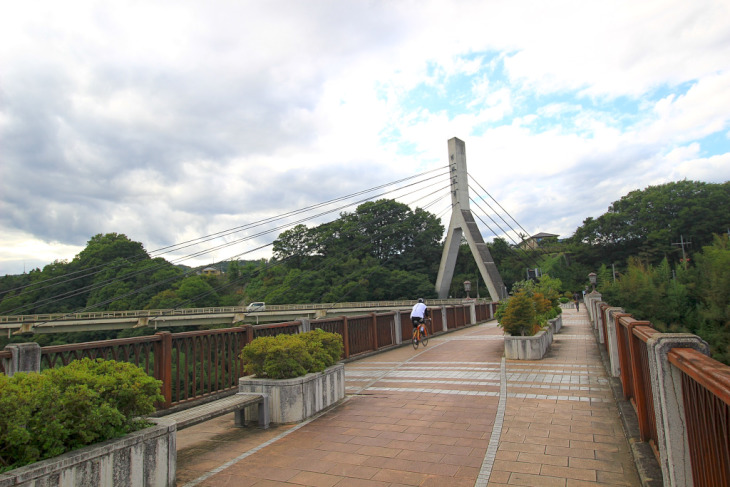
(236, 403)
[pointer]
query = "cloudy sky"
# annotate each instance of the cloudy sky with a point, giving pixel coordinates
(167, 121)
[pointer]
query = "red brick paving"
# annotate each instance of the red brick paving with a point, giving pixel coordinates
(419, 425)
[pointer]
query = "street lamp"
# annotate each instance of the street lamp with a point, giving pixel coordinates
(592, 278)
(467, 288)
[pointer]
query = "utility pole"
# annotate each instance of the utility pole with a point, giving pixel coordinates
(683, 243)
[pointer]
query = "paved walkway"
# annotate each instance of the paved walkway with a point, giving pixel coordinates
(452, 414)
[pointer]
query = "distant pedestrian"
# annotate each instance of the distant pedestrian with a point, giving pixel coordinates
(576, 299)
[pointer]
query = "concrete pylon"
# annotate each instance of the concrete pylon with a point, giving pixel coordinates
(462, 224)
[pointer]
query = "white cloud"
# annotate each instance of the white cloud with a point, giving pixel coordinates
(167, 121)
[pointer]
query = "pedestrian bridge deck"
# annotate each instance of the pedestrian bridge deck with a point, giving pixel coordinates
(452, 414)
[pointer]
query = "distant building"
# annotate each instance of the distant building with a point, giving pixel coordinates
(536, 240)
(211, 271)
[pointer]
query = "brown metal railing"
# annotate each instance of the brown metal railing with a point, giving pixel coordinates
(386, 329)
(631, 337)
(360, 334)
(706, 393)
(704, 398)
(451, 321)
(206, 362)
(437, 321)
(194, 365)
(622, 340)
(137, 350)
(642, 396)
(288, 328)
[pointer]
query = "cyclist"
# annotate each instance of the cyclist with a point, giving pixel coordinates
(418, 313)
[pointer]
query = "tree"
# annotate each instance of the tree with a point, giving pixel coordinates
(295, 245)
(196, 292)
(102, 249)
(647, 223)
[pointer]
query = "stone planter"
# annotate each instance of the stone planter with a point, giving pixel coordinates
(558, 323)
(294, 400)
(527, 348)
(146, 457)
(534, 347)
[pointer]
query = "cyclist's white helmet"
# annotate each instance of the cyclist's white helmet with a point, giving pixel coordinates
(420, 300)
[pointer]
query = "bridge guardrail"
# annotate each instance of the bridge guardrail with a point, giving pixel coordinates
(151, 313)
(195, 365)
(681, 396)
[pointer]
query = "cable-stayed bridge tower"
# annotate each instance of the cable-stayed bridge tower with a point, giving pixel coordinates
(462, 224)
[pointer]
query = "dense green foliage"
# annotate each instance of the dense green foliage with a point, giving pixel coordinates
(531, 306)
(694, 300)
(111, 273)
(59, 410)
(289, 356)
(647, 223)
(384, 250)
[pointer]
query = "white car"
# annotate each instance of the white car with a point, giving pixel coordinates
(256, 306)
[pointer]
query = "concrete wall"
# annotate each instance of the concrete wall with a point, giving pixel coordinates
(146, 457)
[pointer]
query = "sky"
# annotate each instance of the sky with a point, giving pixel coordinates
(169, 121)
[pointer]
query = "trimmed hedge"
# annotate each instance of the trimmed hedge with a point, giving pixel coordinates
(59, 410)
(289, 356)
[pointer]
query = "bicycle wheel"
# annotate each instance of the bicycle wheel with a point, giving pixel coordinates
(414, 340)
(424, 336)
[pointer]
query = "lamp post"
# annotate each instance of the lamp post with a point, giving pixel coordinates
(467, 288)
(592, 278)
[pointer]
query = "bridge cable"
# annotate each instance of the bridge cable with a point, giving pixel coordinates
(88, 288)
(156, 253)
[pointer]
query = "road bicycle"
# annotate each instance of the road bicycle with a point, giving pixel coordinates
(420, 333)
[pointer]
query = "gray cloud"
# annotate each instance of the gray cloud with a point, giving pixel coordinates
(172, 121)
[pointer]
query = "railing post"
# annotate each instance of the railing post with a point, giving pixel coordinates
(375, 331)
(25, 357)
(612, 339)
(163, 365)
(345, 337)
(398, 328)
(600, 323)
(589, 302)
(666, 384)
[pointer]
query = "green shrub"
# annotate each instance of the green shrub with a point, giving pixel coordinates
(59, 410)
(538, 303)
(518, 316)
(326, 348)
(289, 356)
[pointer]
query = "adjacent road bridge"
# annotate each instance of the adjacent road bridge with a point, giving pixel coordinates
(166, 318)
